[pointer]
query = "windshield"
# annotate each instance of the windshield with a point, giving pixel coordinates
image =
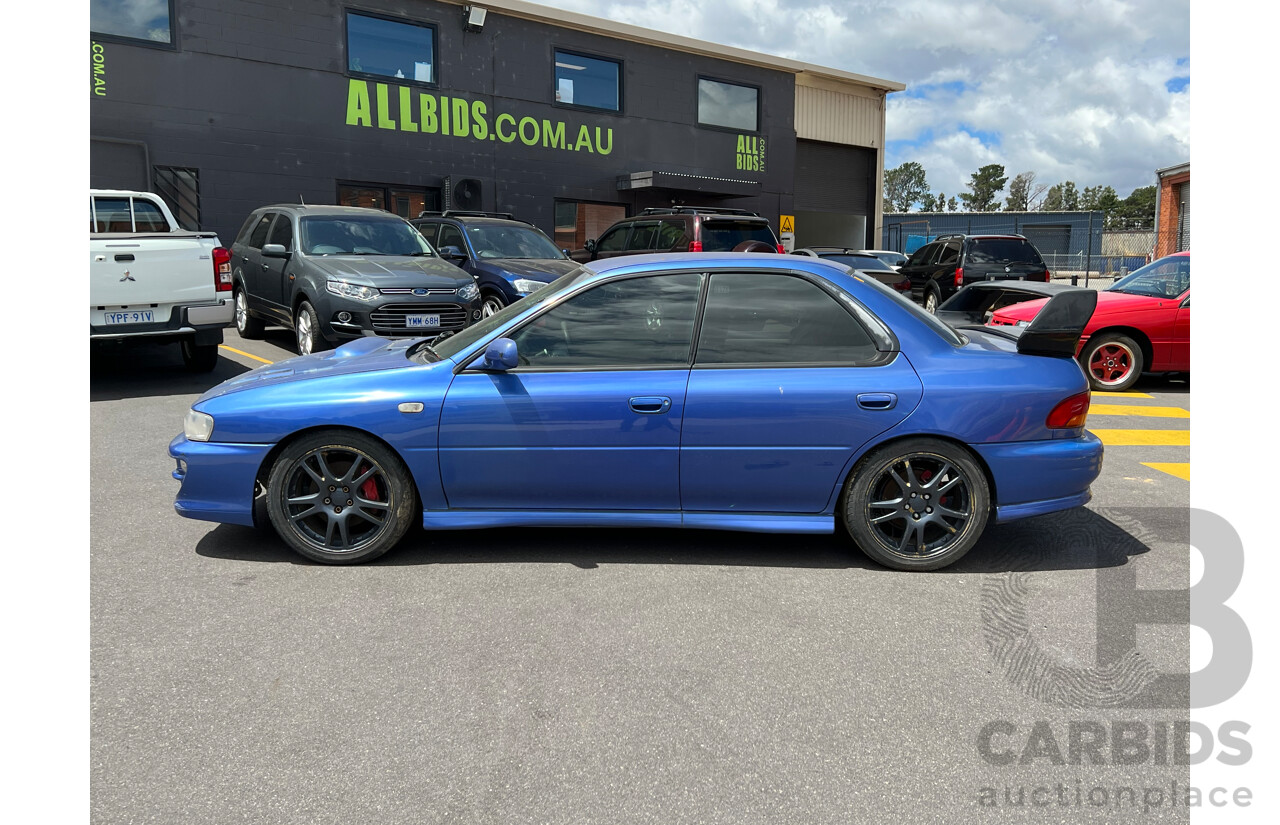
(454, 344)
(1166, 278)
(1002, 251)
(510, 241)
(859, 261)
(358, 235)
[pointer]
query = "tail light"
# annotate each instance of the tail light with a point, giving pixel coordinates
(959, 276)
(222, 269)
(1070, 413)
(903, 286)
(782, 250)
(695, 246)
(1048, 276)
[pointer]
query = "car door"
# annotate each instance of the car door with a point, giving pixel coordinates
(786, 385)
(590, 419)
(250, 266)
(277, 279)
(916, 268)
(1181, 345)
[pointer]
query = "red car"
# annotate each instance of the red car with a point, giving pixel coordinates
(1142, 324)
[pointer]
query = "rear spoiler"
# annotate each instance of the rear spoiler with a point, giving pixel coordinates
(1057, 328)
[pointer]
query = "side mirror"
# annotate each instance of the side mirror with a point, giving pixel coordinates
(274, 250)
(590, 245)
(453, 253)
(565, 252)
(501, 355)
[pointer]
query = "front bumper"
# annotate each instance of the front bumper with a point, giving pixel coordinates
(217, 479)
(1037, 477)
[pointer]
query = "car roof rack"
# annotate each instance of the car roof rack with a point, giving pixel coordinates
(697, 210)
(466, 213)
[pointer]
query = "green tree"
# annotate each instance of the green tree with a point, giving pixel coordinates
(1137, 211)
(984, 185)
(951, 204)
(928, 204)
(1062, 197)
(904, 186)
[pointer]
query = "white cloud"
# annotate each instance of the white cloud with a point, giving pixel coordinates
(1075, 89)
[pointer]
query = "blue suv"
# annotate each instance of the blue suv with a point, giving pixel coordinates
(509, 258)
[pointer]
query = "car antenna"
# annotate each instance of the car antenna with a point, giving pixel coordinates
(300, 200)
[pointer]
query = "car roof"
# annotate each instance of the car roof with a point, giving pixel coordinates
(477, 219)
(327, 209)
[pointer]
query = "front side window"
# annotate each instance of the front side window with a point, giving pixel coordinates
(728, 105)
(637, 322)
(259, 235)
(614, 240)
(282, 233)
(450, 235)
(755, 319)
(588, 82)
(391, 48)
(146, 20)
(342, 235)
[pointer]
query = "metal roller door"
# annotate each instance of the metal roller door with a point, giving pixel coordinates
(1184, 217)
(831, 177)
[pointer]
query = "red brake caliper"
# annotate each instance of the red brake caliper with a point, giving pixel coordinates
(369, 490)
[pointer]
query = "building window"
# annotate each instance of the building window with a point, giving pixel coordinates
(588, 82)
(405, 201)
(383, 47)
(149, 21)
(728, 105)
(180, 189)
(578, 222)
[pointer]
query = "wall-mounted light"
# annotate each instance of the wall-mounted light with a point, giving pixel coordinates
(473, 18)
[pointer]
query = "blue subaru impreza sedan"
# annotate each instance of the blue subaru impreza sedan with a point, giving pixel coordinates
(734, 392)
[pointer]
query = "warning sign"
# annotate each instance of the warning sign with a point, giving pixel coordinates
(788, 223)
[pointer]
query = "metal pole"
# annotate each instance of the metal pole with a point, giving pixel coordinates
(1089, 259)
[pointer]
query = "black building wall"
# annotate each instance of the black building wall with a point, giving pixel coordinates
(256, 97)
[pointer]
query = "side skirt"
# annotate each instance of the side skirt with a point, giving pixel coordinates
(748, 522)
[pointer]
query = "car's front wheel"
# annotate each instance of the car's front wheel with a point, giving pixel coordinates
(340, 497)
(1112, 361)
(491, 304)
(917, 504)
(306, 327)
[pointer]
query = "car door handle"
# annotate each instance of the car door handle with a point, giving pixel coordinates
(877, 400)
(650, 404)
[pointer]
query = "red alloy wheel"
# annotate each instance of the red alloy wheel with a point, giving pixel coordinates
(1111, 363)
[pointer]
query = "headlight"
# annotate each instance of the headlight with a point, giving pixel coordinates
(524, 286)
(469, 292)
(346, 290)
(197, 426)
(1023, 323)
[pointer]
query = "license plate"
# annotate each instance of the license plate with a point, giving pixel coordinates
(142, 316)
(421, 321)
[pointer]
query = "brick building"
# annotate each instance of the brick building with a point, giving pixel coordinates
(1173, 209)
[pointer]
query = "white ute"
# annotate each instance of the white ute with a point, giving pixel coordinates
(149, 279)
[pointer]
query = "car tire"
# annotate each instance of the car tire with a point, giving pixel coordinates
(199, 357)
(491, 303)
(306, 330)
(247, 326)
(340, 497)
(1113, 362)
(923, 490)
(931, 299)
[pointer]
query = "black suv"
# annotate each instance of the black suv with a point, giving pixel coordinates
(940, 267)
(684, 229)
(336, 273)
(508, 258)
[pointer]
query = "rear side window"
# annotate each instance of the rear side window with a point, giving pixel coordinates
(723, 236)
(1002, 251)
(259, 235)
(756, 319)
(642, 235)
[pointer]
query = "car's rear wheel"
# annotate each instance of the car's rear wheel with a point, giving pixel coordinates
(491, 304)
(930, 300)
(199, 357)
(1112, 361)
(306, 327)
(246, 325)
(340, 497)
(917, 504)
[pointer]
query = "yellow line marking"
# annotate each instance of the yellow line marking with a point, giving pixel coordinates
(1144, 438)
(1136, 409)
(1121, 395)
(245, 354)
(1181, 470)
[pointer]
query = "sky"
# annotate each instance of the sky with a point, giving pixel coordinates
(1093, 91)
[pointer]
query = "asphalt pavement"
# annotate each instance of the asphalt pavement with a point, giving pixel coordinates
(612, 676)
